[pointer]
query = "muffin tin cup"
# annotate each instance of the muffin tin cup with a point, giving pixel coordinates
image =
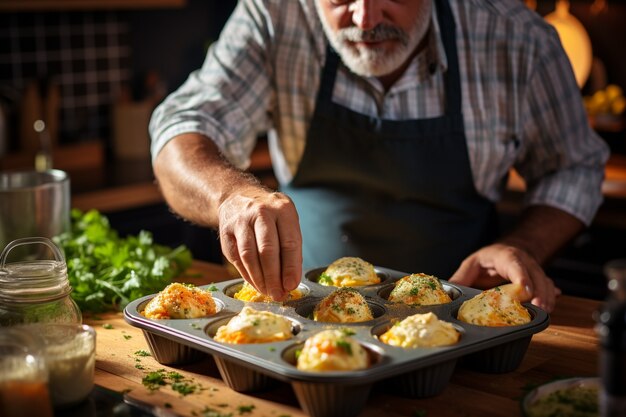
(241, 378)
(329, 400)
(416, 372)
(423, 383)
(170, 352)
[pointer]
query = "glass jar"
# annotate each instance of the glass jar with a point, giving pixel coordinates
(23, 374)
(36, 291)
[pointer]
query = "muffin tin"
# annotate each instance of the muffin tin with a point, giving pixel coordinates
(415, 373)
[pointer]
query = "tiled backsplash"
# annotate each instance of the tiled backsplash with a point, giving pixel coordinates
(86, 53)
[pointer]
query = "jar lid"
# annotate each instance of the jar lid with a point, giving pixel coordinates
(33, 281)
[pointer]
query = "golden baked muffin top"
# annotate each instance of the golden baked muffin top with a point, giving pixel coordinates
(498, 306)
(253, 326)
(332, 350)
(419, 290)
(344, 305)
(349, 272)
(180, 301)
(248, 293)
(421, 330)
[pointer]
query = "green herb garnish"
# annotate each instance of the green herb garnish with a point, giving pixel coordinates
(107, 326)
(245, 409)
(142, 353)
(106, 271)
(184, 388)
(153, 380)
(346, 346)
(325, 279)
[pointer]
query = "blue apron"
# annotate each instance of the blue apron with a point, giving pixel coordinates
(397, 193)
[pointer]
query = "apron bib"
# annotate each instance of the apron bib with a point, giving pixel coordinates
(398, 194)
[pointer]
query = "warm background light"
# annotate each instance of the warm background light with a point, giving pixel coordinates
(574, 39)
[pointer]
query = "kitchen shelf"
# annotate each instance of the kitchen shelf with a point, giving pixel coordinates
(47, 5)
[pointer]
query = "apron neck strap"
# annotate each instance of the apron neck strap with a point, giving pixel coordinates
(452, 76)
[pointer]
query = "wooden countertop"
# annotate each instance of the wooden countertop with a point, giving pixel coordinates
(568, 347)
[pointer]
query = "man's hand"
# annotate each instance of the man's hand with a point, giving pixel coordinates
(259, 229)
(493, 264)
(260, 235)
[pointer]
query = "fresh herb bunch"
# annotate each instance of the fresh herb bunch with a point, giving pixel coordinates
(107, 272)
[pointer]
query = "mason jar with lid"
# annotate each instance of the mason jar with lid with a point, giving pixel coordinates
(35, 291)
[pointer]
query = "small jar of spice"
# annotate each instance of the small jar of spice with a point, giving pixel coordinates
(35, 291)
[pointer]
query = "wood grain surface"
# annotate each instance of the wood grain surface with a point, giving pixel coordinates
(567, 348)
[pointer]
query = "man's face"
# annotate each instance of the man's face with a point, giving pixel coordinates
(374, 37)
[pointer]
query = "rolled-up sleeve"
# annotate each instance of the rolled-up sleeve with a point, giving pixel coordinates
(563, 159)
(230, 97)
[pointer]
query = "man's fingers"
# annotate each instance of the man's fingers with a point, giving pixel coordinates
(269, 256)
(290, 250)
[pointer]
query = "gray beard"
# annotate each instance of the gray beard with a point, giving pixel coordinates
(375, 62)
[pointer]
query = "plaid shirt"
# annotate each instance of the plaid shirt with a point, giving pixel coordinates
(521, 105)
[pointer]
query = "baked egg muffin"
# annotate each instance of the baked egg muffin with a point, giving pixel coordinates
(250, 294)
(349, 272)
(421, 330)
(344, 305)
(332, 350)
(499, 306)
(180, 301)
(252, 326)
(419, 290)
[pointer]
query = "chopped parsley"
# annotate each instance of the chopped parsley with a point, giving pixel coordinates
(153, 380)
(107, 326)
(325, 279)
(127, 336)
(345, 345)
(142, 353)
(156, 379)
(243, 409)
(212, 287)
(184, 388)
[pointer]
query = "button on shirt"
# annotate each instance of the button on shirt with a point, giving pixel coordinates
(521, 105)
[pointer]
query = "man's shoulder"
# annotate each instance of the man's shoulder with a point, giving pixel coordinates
(508, 21)
(513, 13)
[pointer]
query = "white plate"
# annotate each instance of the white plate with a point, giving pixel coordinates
(544, 390)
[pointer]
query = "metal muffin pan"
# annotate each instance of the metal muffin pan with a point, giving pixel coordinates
(415, 373)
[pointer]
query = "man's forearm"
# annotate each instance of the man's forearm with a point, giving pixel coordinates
(542, 231)
(195, 179)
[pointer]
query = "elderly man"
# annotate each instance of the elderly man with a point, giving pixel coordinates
(393, 125)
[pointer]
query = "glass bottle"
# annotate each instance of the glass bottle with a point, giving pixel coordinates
(23, 374)
(35, 291)
(612, 334)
